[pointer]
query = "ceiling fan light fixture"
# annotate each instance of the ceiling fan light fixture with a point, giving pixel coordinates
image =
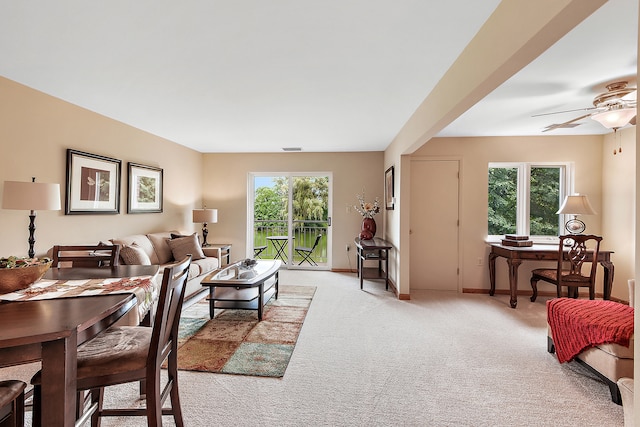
(615, 118)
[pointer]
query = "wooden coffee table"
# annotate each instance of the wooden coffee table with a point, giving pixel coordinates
(236, 287)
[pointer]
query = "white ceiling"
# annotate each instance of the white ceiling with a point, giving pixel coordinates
(332, 75)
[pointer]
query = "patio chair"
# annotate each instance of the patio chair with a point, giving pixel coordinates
(305, 252)
(258, 250)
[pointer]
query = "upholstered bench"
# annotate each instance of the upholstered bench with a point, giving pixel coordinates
(597, 334)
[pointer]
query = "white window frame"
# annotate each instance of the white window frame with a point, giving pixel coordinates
(523, 188)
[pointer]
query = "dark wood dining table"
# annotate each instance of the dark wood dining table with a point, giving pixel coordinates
(50, 330)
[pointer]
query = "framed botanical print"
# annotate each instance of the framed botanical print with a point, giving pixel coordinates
(388, 189)
(145, 189)
(93, 184)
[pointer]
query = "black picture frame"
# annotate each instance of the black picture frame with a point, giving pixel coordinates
(389, 184)
(93, 184)
(145, 189)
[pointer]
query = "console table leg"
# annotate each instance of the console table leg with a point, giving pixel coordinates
(492, 273)
(513, 280)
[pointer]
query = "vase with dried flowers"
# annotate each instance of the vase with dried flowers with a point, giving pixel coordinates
(368, 210)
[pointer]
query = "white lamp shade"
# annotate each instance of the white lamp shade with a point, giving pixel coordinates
(31, 196)
(205, 215)
(614, 119)
(576, 205)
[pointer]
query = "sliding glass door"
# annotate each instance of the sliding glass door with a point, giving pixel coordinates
(290, 218)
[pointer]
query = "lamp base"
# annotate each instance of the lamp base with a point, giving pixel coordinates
(575, 226)
(32, 230)
(205, 232)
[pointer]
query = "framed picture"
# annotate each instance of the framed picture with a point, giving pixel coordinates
(388, 189)
(145, 189)
(93, 184)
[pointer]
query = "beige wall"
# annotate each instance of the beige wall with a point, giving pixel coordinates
(618, 205)
(37, 129)
(225, 188)
(587, 154)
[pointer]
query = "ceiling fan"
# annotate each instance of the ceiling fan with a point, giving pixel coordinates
(613, 109)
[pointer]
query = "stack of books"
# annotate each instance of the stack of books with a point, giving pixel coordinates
(516, 240)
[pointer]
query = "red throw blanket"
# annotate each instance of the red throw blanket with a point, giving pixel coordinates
(579, 324)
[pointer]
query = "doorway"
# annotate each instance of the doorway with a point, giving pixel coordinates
(434, 225)
(290, 218)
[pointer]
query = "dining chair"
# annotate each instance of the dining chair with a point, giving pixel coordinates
(12, 403)
(85, 255)
(306, 252)
(134, 354)
(574, 267)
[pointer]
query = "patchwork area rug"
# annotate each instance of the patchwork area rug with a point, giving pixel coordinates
(235, 342)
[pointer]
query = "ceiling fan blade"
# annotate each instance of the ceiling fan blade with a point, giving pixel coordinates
(631, 96)
(561, 125)
(566, 111)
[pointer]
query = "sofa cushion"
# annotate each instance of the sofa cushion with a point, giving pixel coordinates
(194, 271)
(184, 246)
(142, 242)
(163, 251)
(134, 255)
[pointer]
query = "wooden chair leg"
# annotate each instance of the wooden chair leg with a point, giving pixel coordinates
(534, 287)
(174, 395)
(20, 411)
(37, 406)
(97, 396)
(154, 402)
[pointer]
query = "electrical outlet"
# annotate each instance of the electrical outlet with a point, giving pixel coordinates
(348, 247)
(479, 261)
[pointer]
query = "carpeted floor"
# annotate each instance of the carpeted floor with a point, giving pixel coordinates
(235, 342)
(365, 358)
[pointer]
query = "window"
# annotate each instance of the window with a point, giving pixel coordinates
(524, 198)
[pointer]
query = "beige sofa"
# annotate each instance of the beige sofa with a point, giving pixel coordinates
(164, 248)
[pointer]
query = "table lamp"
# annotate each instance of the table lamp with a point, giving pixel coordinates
(205, 216)
(576, 205)
(31, 196)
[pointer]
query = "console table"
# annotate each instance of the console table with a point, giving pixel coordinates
(515, 255)
(375, 249)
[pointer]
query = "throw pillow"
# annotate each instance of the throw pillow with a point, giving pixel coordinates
(182, 246)
(134, 255)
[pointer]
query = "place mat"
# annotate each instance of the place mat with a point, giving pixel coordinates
(141, 286)
(235, 342)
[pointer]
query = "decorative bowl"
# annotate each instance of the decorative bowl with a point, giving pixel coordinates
(14, 279)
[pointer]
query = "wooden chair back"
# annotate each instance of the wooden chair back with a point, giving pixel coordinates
(580, 260)
(66, 256)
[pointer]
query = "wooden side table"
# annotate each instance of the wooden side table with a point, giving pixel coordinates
(222, 251)
(375, 249)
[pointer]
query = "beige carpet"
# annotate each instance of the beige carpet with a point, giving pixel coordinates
(364, 358)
